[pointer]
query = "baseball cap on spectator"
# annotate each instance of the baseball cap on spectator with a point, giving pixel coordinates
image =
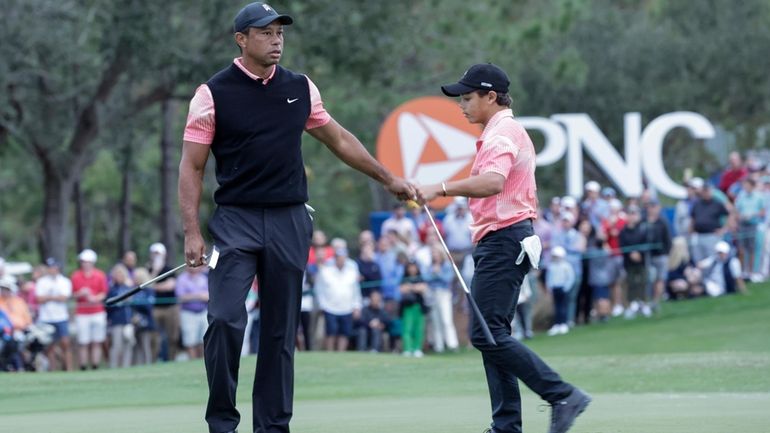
(616, 204)
(568, 202)
(482, 76)
(722, 247)
(696, 183)
(7, 283)
(593, 186)
(258, 14)
(608, 191)
(338, 243)
(52, 262)
(158, 248)
(558, 251)
(87, 255)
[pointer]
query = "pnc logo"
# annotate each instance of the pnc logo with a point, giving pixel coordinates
(427, 140)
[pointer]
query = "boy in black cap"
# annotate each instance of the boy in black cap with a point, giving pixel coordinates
(503, 202)
(251, 116)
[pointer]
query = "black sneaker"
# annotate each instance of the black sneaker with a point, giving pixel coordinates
(564, 412)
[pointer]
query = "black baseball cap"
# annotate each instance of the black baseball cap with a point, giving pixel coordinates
(483, 76)
(258, 14)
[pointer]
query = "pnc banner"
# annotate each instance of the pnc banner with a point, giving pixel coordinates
(427, 140)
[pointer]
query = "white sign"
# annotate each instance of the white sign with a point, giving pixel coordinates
(570, 134)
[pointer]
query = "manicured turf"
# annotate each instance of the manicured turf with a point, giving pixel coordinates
(701, 366)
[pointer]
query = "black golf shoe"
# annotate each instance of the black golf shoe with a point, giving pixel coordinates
(564, 412)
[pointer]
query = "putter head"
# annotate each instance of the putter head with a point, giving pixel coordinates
(213, 258)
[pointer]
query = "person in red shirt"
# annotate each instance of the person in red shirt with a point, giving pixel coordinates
(610, 231)
(89, 285)
(735, 172)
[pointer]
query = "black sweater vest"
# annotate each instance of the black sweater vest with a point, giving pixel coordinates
(258, 138)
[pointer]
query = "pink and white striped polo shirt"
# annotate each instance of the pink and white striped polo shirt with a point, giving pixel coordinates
(505, 148)
(200, 125)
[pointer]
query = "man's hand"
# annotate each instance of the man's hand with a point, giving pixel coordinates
(428, 193)
(194, 249)
(402, 189)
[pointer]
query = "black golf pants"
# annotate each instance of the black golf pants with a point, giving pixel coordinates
(495, 287)
(271, 243)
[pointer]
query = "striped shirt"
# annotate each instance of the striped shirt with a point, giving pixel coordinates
(200, 125)
(504, 148)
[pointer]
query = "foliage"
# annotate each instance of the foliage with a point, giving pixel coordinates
(76, 94)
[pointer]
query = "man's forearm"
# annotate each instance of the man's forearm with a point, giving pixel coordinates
(353, 153)
(189, 190)
(483, 185)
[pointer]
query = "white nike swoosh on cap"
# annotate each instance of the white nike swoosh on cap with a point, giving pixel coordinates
(291, 100)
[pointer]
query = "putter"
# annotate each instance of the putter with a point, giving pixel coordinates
(209, 260)
(476, 311)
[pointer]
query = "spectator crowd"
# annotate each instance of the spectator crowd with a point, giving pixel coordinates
(395, 289)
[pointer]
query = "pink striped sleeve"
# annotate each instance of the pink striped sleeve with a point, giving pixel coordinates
(318, 115)
(498, 156)
(200, 118)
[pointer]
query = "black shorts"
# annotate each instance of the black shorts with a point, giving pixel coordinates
(338, 325)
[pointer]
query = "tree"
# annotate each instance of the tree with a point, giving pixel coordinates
(60, 97)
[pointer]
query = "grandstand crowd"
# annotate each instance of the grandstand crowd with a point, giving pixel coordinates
(394, 289)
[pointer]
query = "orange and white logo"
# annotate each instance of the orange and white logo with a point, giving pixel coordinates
(428, 140)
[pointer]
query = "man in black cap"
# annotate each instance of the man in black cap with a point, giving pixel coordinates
(503, 203)
(251, 116)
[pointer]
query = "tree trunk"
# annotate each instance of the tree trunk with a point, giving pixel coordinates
(126, 188)
(168, 178)
(56, 207)
(80, 222)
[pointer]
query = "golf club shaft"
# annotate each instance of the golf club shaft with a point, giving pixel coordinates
(115, 299)
(476, 311)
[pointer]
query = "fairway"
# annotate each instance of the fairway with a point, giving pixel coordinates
(701, 366)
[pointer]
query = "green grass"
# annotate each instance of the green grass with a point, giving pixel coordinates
(701, 366)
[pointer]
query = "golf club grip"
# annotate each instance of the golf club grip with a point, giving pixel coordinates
(482, 322)
(115, 299)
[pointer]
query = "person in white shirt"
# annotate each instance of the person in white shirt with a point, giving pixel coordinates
(559, 280)
(722, 272)
(405, 228)
(339, 296)
(457, 229)
(53, 290)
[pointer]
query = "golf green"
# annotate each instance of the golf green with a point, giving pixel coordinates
(700, 366)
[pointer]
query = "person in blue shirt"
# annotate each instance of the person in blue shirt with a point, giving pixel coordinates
(144, 323)
(750, 207)
(122, 338)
